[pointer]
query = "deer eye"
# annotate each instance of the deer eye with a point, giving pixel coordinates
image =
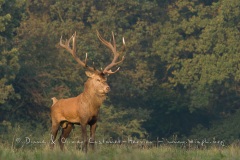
(98, 80)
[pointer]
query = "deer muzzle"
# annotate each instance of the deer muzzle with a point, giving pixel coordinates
(107, 89)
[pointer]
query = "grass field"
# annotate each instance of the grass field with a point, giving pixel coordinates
(120, 153)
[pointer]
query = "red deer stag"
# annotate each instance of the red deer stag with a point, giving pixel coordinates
(84, 108)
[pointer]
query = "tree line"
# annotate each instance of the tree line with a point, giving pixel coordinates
(180, 75)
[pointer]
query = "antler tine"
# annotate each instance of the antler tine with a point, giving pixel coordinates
(124, 44)
(66, 44)
(74, 42)
(114, 42)
(108, 44)
(112, 72)
(107, 69)
(72, 50)
(85, 61)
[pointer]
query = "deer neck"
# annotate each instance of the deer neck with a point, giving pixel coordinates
(94, 99)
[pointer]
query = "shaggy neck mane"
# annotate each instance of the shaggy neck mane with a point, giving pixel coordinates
(91, 94)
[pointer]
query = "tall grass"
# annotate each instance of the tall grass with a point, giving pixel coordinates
(14, 145)
(114, 152)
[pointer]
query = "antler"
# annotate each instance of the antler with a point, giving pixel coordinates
(112, 47)
(72, 50)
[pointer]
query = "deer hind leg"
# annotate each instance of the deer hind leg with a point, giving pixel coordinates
(55, 127)
(65, 133)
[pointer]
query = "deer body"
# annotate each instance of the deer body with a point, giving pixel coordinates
(84, 108)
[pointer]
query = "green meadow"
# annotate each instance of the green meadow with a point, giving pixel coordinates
(119, 153)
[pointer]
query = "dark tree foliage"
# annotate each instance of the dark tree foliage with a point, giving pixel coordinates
(180, 76)
(10, 18)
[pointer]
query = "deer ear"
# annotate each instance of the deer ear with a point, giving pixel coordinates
(89, 73)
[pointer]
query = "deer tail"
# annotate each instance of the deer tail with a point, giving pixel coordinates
(54, 99)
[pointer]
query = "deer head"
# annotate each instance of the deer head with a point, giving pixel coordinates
(96, 84)
(96, 78)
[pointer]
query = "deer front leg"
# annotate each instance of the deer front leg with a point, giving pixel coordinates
(92, 134)
(84, 137)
